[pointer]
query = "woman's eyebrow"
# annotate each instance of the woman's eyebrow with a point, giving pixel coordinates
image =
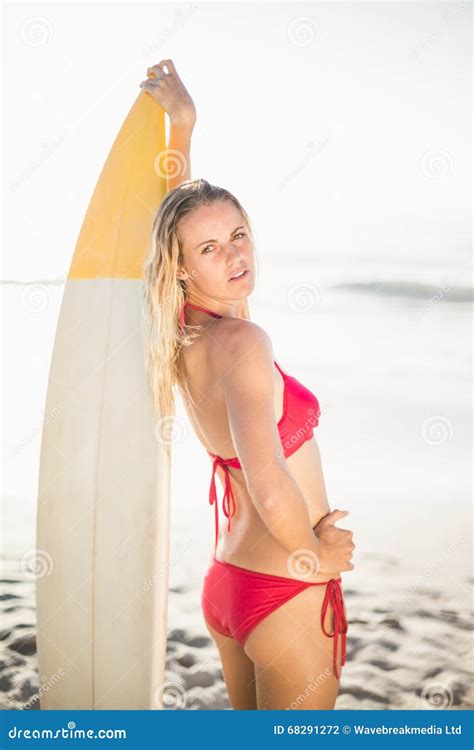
(203, 243)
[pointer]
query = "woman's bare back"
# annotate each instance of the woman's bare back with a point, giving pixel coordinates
(249, 544)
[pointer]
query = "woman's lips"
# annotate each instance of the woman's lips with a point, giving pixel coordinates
(243, 276)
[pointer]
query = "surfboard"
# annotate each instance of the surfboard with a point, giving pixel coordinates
(104, 481)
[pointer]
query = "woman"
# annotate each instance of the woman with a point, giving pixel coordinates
(272, 597)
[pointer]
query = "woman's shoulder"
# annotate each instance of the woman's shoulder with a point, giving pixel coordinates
(237, 333)
(238, 340)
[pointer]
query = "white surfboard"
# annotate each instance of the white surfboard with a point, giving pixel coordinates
(103, 496)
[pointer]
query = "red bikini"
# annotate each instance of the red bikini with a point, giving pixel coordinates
(235, 599)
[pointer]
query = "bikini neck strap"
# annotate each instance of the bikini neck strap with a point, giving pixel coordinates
(203, 309)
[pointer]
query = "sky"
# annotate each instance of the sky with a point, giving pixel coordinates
(343, 128)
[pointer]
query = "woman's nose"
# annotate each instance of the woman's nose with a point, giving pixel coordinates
(233, 251)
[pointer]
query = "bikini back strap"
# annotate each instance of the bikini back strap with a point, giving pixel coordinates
(228, 500)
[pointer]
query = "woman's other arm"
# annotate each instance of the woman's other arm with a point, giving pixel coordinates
(243, 365)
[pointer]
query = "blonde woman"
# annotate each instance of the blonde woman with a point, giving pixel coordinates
(271, 597)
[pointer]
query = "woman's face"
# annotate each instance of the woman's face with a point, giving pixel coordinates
(216, 246)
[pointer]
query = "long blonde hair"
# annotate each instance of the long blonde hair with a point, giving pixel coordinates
(164, 295)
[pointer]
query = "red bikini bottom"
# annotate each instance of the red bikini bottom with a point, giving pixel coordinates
(234, 600)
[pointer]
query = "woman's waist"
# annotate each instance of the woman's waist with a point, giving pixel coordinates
(255, 549)
(246, 517)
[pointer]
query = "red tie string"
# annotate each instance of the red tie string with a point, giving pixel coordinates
(333, 595)
(228, 500)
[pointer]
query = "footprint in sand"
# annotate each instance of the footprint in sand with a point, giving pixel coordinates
(387, 666)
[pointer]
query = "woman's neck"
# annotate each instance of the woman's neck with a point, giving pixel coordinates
(241, 311)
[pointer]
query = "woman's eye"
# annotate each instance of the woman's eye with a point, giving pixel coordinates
(204, 252)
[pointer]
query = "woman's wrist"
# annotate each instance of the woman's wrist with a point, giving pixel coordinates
(183, 123)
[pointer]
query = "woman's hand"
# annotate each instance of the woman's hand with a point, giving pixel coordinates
(170, 92)
(335, 545)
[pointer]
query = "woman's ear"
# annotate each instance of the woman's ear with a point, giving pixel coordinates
(181, 274)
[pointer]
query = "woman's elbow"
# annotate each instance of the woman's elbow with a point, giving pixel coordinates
(271, 493)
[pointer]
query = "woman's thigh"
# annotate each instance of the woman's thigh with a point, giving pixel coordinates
(293, 657)
(239, 672)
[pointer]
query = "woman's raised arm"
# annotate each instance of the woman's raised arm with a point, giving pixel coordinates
(170, 92)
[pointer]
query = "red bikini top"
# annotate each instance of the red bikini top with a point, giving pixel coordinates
(300, 415)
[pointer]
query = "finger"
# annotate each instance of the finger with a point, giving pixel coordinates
(150, 83)
(156, 77)
(159, 68)
(334, 516)
(156, 71)
(150, 87)
(171, 67)
(329, 515)
(156, 67)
